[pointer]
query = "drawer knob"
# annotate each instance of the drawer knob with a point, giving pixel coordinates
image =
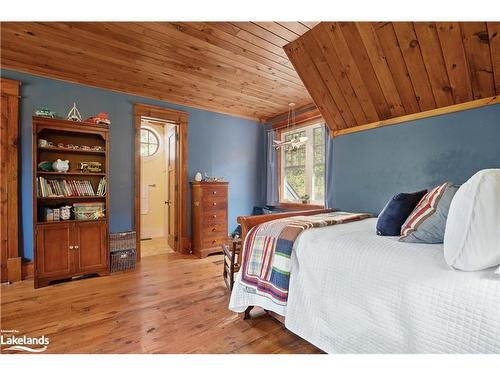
(214, 192)
(214, 216)
(215, 203)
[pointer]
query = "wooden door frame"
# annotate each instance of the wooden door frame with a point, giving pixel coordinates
(180, 118)
(11, 261)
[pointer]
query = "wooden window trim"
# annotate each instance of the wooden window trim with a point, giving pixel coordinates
(286, 204)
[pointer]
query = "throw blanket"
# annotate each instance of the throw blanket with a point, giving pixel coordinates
(265, 268)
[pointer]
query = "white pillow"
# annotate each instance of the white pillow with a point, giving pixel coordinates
(472, 234)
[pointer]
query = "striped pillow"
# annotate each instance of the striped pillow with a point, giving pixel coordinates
(424, 209)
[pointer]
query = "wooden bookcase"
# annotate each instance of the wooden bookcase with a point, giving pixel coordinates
(69, 248)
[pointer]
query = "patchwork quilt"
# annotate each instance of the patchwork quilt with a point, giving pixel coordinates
(266, 264)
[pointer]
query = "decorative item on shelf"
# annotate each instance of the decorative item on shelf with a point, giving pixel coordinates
(48, 214)
(44, 143)
(296, 142)
(207, 178)
(97, 148)
(60, 165)
(45, 166)
(90, 166)
(100, 119)
(99, 214)
(305, 199)
(198, 177)
(74, 114)
(65, 212)
(57, 214)
(89, 211)
(45, 112)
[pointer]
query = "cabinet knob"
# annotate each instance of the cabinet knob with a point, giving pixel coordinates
(214, 229)
(71, 247)
(77, 247)
(215, 203)
(214, 216)
(214, 241)
(214, 192)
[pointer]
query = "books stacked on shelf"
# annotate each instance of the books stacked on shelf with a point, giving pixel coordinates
(67, 188)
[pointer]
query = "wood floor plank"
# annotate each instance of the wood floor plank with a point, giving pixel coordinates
(171, 303)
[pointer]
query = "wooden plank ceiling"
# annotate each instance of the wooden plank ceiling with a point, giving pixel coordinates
(239, 68)
(360, 73)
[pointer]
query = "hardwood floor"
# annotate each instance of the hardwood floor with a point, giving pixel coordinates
(171, 303)
(155, 246)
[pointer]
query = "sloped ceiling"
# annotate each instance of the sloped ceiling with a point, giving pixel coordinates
(238, 68)
(363, 72)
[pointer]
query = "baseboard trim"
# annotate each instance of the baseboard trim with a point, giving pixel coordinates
(28, 270)
(14, 269)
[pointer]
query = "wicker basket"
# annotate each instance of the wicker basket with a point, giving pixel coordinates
(122, 260)
(122, 241)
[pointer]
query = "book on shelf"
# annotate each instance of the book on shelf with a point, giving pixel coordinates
(69, 188)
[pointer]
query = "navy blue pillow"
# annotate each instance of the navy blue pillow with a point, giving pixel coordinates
(396, 211)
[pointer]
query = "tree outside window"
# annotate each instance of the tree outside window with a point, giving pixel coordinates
(303, 169)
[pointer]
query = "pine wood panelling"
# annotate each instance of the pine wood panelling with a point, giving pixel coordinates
(494, 34)
(414, 62)
(324, 70)
(339, 44)
(295, 27)
(379, 63)
(391, 53)
(307, 70)
(362, 60)
(370, 74)
(494, 100)
(234, 68)
(477, 50)
(434, 62)
(450, 38)
(340, 76)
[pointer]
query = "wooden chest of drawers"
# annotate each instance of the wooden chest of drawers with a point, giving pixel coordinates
(208, 217)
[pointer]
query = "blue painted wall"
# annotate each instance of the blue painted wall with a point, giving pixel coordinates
(219, 145)
(370, 167)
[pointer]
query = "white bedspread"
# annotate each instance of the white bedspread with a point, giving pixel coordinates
(352, 291)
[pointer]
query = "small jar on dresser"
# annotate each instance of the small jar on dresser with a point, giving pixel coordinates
(208, 217)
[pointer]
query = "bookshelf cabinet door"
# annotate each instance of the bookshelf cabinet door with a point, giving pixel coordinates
(54, 256)
(92, 251)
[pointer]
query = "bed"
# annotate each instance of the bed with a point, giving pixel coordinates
(352, 291)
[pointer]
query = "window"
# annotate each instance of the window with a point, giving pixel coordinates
(303, 169)
(149, 142)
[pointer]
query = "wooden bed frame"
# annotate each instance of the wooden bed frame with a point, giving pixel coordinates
(248, 222)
